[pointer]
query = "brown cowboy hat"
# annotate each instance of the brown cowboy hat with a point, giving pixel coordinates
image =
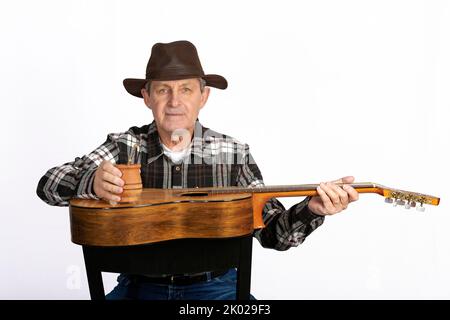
(173, 61)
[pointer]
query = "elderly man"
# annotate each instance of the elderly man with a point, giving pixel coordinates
(178, 152)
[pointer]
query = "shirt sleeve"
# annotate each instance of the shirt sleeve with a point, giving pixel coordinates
(284, 228)
(76, 178)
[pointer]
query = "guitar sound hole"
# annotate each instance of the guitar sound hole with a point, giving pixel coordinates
(195, 194)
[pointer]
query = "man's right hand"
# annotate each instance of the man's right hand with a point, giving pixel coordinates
(107, 182)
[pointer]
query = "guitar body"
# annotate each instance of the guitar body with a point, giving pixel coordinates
(159, 215)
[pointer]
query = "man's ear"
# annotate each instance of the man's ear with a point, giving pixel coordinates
(205, 95)
(146, 97)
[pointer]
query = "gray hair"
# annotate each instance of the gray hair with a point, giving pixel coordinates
(202, 85)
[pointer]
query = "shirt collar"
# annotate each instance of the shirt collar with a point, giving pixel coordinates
(154, 147)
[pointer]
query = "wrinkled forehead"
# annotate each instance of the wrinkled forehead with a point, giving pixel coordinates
(176, 83)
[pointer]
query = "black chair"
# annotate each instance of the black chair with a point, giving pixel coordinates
(172, 257)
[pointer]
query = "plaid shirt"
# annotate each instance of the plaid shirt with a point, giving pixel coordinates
(215, 160)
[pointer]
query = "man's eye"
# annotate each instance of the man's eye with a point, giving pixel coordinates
(185, 90)
(161, 91)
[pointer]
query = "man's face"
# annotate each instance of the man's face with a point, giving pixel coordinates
(175, 104)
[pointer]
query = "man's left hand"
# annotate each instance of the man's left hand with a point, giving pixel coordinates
(333, 198)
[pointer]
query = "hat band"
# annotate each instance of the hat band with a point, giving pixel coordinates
(174, 72)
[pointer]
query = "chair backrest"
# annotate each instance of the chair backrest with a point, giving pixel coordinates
(171, 257)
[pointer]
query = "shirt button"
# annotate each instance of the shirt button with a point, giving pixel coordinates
(177, 168)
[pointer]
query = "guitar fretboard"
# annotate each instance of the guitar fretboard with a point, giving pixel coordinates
(274, 189)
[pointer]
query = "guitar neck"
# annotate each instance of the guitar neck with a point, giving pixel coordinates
(304, 190)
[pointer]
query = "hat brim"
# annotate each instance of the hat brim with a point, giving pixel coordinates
(134, 86)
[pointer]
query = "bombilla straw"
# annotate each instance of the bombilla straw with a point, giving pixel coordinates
(133, 155)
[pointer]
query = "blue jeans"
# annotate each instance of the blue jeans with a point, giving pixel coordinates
(219, 288)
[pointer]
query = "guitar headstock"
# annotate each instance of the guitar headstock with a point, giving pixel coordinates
(408, 199)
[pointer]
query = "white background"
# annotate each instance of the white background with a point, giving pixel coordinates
(318, 89)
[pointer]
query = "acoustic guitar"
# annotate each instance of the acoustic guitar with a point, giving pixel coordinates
(167, 214)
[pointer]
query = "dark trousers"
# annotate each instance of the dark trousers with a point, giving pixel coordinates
(219, 288)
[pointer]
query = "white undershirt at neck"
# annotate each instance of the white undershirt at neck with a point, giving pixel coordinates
(176, 156)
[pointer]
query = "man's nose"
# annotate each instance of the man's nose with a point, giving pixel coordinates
(174, 99)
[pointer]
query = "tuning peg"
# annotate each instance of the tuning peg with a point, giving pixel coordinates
(420, 208)
(400, 202)
(407, 205)
(413, 204)
(388, 200)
